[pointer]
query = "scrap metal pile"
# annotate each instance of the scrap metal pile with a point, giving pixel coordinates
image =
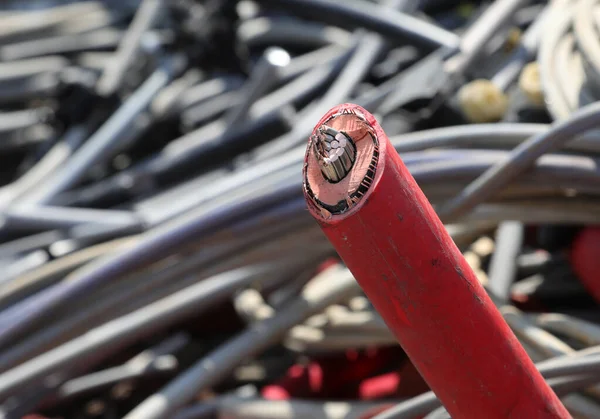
(158, 260)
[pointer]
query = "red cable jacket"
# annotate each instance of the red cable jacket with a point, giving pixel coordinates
(408, 266)
(584, 259)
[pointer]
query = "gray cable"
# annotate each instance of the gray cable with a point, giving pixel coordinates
(525, 52)
(580, 330)
(331, 286)
(376, 18)
(25, 217)
(124, 330)
(557, 367)
(548, 171)
(500, 135)
(503, 266)
(264, 75)
(146, 287)
(474, 136)
(48, 164)
(556, 26)
(368, 48)
(519, 160)
(236, 407)
(106, 140)
(479, 34)
(439, 413)
(146, 15)
(166, 238)
(53, 271)
(286, 32)
(156, 359)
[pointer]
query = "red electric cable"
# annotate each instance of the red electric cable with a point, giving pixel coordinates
(389, 236)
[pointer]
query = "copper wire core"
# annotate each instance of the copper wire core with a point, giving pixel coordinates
(341, 193)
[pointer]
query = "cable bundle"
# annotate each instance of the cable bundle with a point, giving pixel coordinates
(158, 258)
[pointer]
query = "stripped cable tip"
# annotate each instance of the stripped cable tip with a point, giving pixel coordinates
(340, 162)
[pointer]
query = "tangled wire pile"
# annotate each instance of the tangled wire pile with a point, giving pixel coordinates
(158, 260)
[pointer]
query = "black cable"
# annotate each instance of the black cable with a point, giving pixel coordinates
(379, 19)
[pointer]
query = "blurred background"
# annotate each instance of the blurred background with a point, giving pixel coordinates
(157, 258)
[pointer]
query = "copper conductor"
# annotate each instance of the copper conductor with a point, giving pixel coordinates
(336, 186)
